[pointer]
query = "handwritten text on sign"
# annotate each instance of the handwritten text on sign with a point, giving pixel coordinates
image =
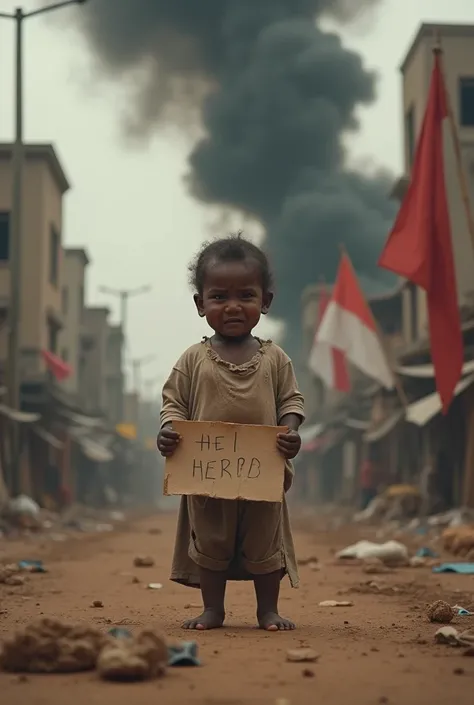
(228, 461)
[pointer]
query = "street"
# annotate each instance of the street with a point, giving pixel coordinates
(379, 650)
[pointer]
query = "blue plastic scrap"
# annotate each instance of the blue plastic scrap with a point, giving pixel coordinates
(183, 654)
(460, 568)
(32, 566)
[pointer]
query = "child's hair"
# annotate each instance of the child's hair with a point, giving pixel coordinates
(234, 248)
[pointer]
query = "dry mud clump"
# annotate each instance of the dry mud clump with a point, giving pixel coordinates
(50, 646)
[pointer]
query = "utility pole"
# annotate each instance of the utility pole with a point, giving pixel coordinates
(124, 296)
(15, 244)
(137, 365)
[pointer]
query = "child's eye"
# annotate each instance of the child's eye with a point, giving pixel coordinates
(218, 297)
(248, 295)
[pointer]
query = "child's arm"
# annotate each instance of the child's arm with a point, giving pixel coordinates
(176, 393)
(290, 411)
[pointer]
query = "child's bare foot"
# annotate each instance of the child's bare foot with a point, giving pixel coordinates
(272, 622)
(209, 619)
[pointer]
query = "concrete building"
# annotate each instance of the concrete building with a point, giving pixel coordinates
(41, 320)
(115, 375)
(75, 263)
(93, 380)
(457, 42)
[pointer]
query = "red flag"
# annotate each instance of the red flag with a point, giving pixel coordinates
(58, 367)
(419, 247)
(348, 326)
(337, 374)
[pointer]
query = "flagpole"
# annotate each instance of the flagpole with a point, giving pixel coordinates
(437, 50)
(396, 382)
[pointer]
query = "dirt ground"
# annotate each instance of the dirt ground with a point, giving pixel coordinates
(380, 650)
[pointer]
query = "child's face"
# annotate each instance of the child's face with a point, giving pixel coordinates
(232, 298)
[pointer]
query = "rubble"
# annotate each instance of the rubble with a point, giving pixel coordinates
(135, 659)
(441, 612)
(143, 562)
(51, 646)
(303, 655)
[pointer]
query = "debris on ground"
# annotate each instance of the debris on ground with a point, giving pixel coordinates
(374, 566)
(307, 561)
(9, 575)
(336, 603)
(154, 586)
(390, 553)
(452, 637)
(183, 654)
(51, 646)
(137, 658)
(441, 612)
(460, 568)
(97, 604)
(143, 562)
(302, 656)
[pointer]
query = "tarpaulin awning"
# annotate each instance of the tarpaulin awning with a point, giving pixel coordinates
(18, 416)
(383, 429)
(95, 451)
(56, 366)
(82, 420)
(357, 424)
(48, 437)
(426, 408)
(427, 371)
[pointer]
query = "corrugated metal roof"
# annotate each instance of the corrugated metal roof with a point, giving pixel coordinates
(423, 410)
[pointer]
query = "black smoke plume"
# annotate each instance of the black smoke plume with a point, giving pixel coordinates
(276, 95)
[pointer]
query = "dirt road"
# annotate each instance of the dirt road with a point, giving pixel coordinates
(380, 650)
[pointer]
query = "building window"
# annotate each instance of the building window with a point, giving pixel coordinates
(81, 303)
(4, 237)
(65, 299)
(466, 102)
(52, 337)
(54, 244)
(410, 135)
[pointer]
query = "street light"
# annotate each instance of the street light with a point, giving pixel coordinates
(124, 295)
(14, 312)
(137, 365)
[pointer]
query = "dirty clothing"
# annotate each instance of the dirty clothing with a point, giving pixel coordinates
(239, 537)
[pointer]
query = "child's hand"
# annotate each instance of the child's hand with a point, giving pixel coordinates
(167, 441)
(289, 444)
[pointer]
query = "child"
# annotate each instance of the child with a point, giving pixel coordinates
(237, 378)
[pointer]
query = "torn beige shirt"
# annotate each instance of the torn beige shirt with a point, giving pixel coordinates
(204, 387)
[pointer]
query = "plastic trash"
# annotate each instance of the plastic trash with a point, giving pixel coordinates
(32, 566)
(120, 633)
(184, 654)
(23, 505)
(426, 552)
(391, 551)
(460, 568)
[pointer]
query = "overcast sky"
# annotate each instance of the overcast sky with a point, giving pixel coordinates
(128, 206)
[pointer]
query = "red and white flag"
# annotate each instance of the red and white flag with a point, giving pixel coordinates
(419, 248)
(327, 362)
(348, 326)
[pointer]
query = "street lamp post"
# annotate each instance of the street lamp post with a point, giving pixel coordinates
(124, 295)
(15, 243)
(137, 365)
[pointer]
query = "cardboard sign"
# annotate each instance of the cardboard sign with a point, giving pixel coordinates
(229, 461)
